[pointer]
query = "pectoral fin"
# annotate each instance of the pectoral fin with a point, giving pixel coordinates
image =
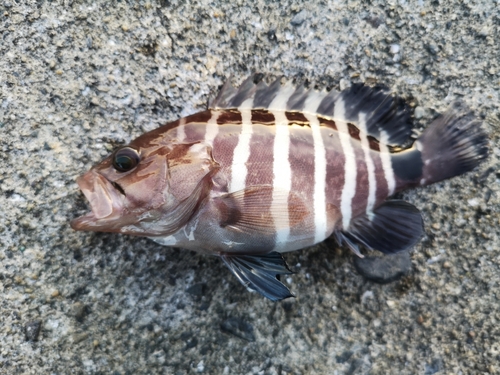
(259, 273)
(394, 226)
(260, 209)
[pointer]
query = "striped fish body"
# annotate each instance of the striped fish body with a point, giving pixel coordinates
(270, 169)
(281, 182)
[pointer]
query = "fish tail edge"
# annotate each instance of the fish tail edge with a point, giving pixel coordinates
(453, 144)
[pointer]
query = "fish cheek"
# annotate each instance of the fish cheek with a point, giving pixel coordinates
(145, 187)
(189, 182)
(189, 170)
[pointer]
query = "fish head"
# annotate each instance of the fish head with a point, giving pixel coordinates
(146, 188)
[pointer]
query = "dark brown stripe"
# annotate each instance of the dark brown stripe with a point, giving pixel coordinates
(150, 137)
(229, 117)
(335, 160)
(301, 200)
(260, 160)
(353, 131)
(297, 118)
(178, 155)
(224, 144)
(360, 199)
(327, 123)
(200, 117)
(374, 143)
(261, 116)
(260, 173)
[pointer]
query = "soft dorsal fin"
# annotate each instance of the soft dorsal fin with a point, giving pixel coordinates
(384, 115)
(373, 110)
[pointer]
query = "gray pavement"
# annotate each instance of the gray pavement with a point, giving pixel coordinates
(78, 79)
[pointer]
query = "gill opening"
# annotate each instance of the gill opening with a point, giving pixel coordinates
(119, 188)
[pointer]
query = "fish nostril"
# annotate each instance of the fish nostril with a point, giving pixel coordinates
(119, 188)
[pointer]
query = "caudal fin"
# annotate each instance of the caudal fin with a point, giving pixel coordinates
(453, 144)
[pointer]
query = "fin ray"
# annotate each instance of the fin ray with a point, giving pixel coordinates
(395, 226)
(382, 114)
(252, 210)
(454, 143)
(259, 273)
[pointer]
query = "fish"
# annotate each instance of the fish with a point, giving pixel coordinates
(273, 168)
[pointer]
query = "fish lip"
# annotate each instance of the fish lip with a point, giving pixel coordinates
(83, 222)
(105, 200)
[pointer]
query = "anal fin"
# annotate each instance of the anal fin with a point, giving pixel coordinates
(259, 273)
(353, 246)
(394, 226)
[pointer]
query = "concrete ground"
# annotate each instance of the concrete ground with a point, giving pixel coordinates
(79, 78)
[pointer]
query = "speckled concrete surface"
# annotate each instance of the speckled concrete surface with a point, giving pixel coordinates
(78, 79)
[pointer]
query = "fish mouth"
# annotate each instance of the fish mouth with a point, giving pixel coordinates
(106, 204)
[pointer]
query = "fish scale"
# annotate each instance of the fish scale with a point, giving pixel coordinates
(248, 157)
(274, 168)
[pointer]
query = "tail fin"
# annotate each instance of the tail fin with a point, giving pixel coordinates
(453, 144)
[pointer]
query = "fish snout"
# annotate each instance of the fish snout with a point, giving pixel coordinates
(106, 202)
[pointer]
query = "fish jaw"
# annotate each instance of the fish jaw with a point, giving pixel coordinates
(106, 204)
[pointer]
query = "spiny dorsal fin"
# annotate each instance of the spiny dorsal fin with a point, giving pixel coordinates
(372, 109)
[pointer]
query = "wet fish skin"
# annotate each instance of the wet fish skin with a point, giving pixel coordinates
(275, 168)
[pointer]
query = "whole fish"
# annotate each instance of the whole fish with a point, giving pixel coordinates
(274, 168)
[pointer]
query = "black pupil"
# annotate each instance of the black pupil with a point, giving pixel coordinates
(125, 160)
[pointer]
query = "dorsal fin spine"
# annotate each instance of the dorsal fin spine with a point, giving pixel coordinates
(382, 111)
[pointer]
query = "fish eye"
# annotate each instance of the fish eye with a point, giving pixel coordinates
(125, 159)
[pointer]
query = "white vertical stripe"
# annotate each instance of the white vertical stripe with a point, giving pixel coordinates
(350, 167)
(370, 167)
(181, 133)
(319, 197)
(282, 176)
(241, 152)
(212, 128)
(385, 157)
(282, 170)
(419, 147)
